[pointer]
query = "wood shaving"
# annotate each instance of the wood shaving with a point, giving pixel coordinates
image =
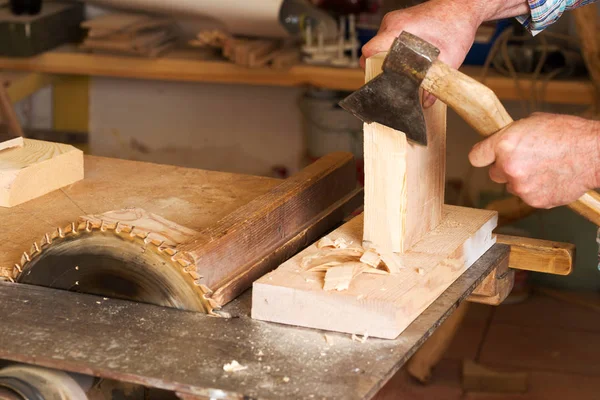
(371, 257)
(340, 243)
(326, 256)
(420, 271)
(329, 340)
(338, 278)
(391, 262)
(360, 339)
(376, 271)
(325, 242)
(234, 366)
(286, 379)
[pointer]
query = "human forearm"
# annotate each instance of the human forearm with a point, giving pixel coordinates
(546, 159)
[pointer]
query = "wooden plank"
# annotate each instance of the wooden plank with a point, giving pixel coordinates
(380, 305)
(255, 230)
(404, 181)
(539, 255)
(188, 67)
(113, 184)
(36, 169)
(166, 348)
(496, 287)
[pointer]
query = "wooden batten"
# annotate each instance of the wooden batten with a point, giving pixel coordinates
(404, 181)
(36, 169)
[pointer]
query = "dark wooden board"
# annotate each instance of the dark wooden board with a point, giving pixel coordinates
(185, 351)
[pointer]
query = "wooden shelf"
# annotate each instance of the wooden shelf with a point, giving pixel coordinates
(188, 66)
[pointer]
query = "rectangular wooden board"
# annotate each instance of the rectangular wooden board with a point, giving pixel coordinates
(36, 169)
(378, 305)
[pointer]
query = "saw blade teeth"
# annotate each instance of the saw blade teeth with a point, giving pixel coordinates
(118, 227)
(194, 275)
(103, 227)
(182, 262)
(47, 240)
(60, 232)
(25, 257)
(36, 248)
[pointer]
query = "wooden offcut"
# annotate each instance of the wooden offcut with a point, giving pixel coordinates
(36, 169)
(404, 188)
(379, 305)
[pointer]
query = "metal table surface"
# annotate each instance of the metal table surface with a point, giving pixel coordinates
(185, 351)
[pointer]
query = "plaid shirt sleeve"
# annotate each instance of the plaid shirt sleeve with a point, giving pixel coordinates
(546, 12)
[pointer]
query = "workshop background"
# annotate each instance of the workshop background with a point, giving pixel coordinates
(251, 125)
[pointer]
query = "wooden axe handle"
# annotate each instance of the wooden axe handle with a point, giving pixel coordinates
(479, 106)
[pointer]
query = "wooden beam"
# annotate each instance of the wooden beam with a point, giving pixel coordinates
(254, 231)
(36, 169)
(404, 181)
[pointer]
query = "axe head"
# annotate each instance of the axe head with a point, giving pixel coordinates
(392, 98)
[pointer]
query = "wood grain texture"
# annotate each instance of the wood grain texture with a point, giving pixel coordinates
(496, 287)
(193, 198)
(382, 306)
(404, 182)
(539, 255)
(250, 233)
(36, 169)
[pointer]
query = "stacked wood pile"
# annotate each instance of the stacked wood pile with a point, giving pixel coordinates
(132, 34)
(247, 52)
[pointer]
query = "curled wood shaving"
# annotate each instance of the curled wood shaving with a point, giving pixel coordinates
(371, 257)
(341, 243)
(363, 339)
(234, 366)
(325, 242)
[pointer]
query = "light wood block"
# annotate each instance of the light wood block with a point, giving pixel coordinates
(379, 305)
(404, 181)
(37, 168)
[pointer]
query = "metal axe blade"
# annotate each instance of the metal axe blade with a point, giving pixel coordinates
(379, 101)
(392, 98)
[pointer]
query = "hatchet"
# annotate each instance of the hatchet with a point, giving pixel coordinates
(392, 99)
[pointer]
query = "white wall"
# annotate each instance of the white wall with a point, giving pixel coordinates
(234, 128)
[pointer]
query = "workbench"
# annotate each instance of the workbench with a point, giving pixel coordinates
(178, 350)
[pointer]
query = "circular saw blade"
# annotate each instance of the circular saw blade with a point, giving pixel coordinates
(113, 262)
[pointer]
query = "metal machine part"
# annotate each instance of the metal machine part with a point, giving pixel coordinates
(27, 382)
(265, 18)
(112, 263)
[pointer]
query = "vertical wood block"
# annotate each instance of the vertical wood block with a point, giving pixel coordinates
(404, 181)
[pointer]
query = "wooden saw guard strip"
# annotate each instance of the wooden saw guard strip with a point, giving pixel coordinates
(224, 259)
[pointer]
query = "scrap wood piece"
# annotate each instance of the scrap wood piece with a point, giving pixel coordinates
(477, 378)
(234, 366)
(36, 169)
